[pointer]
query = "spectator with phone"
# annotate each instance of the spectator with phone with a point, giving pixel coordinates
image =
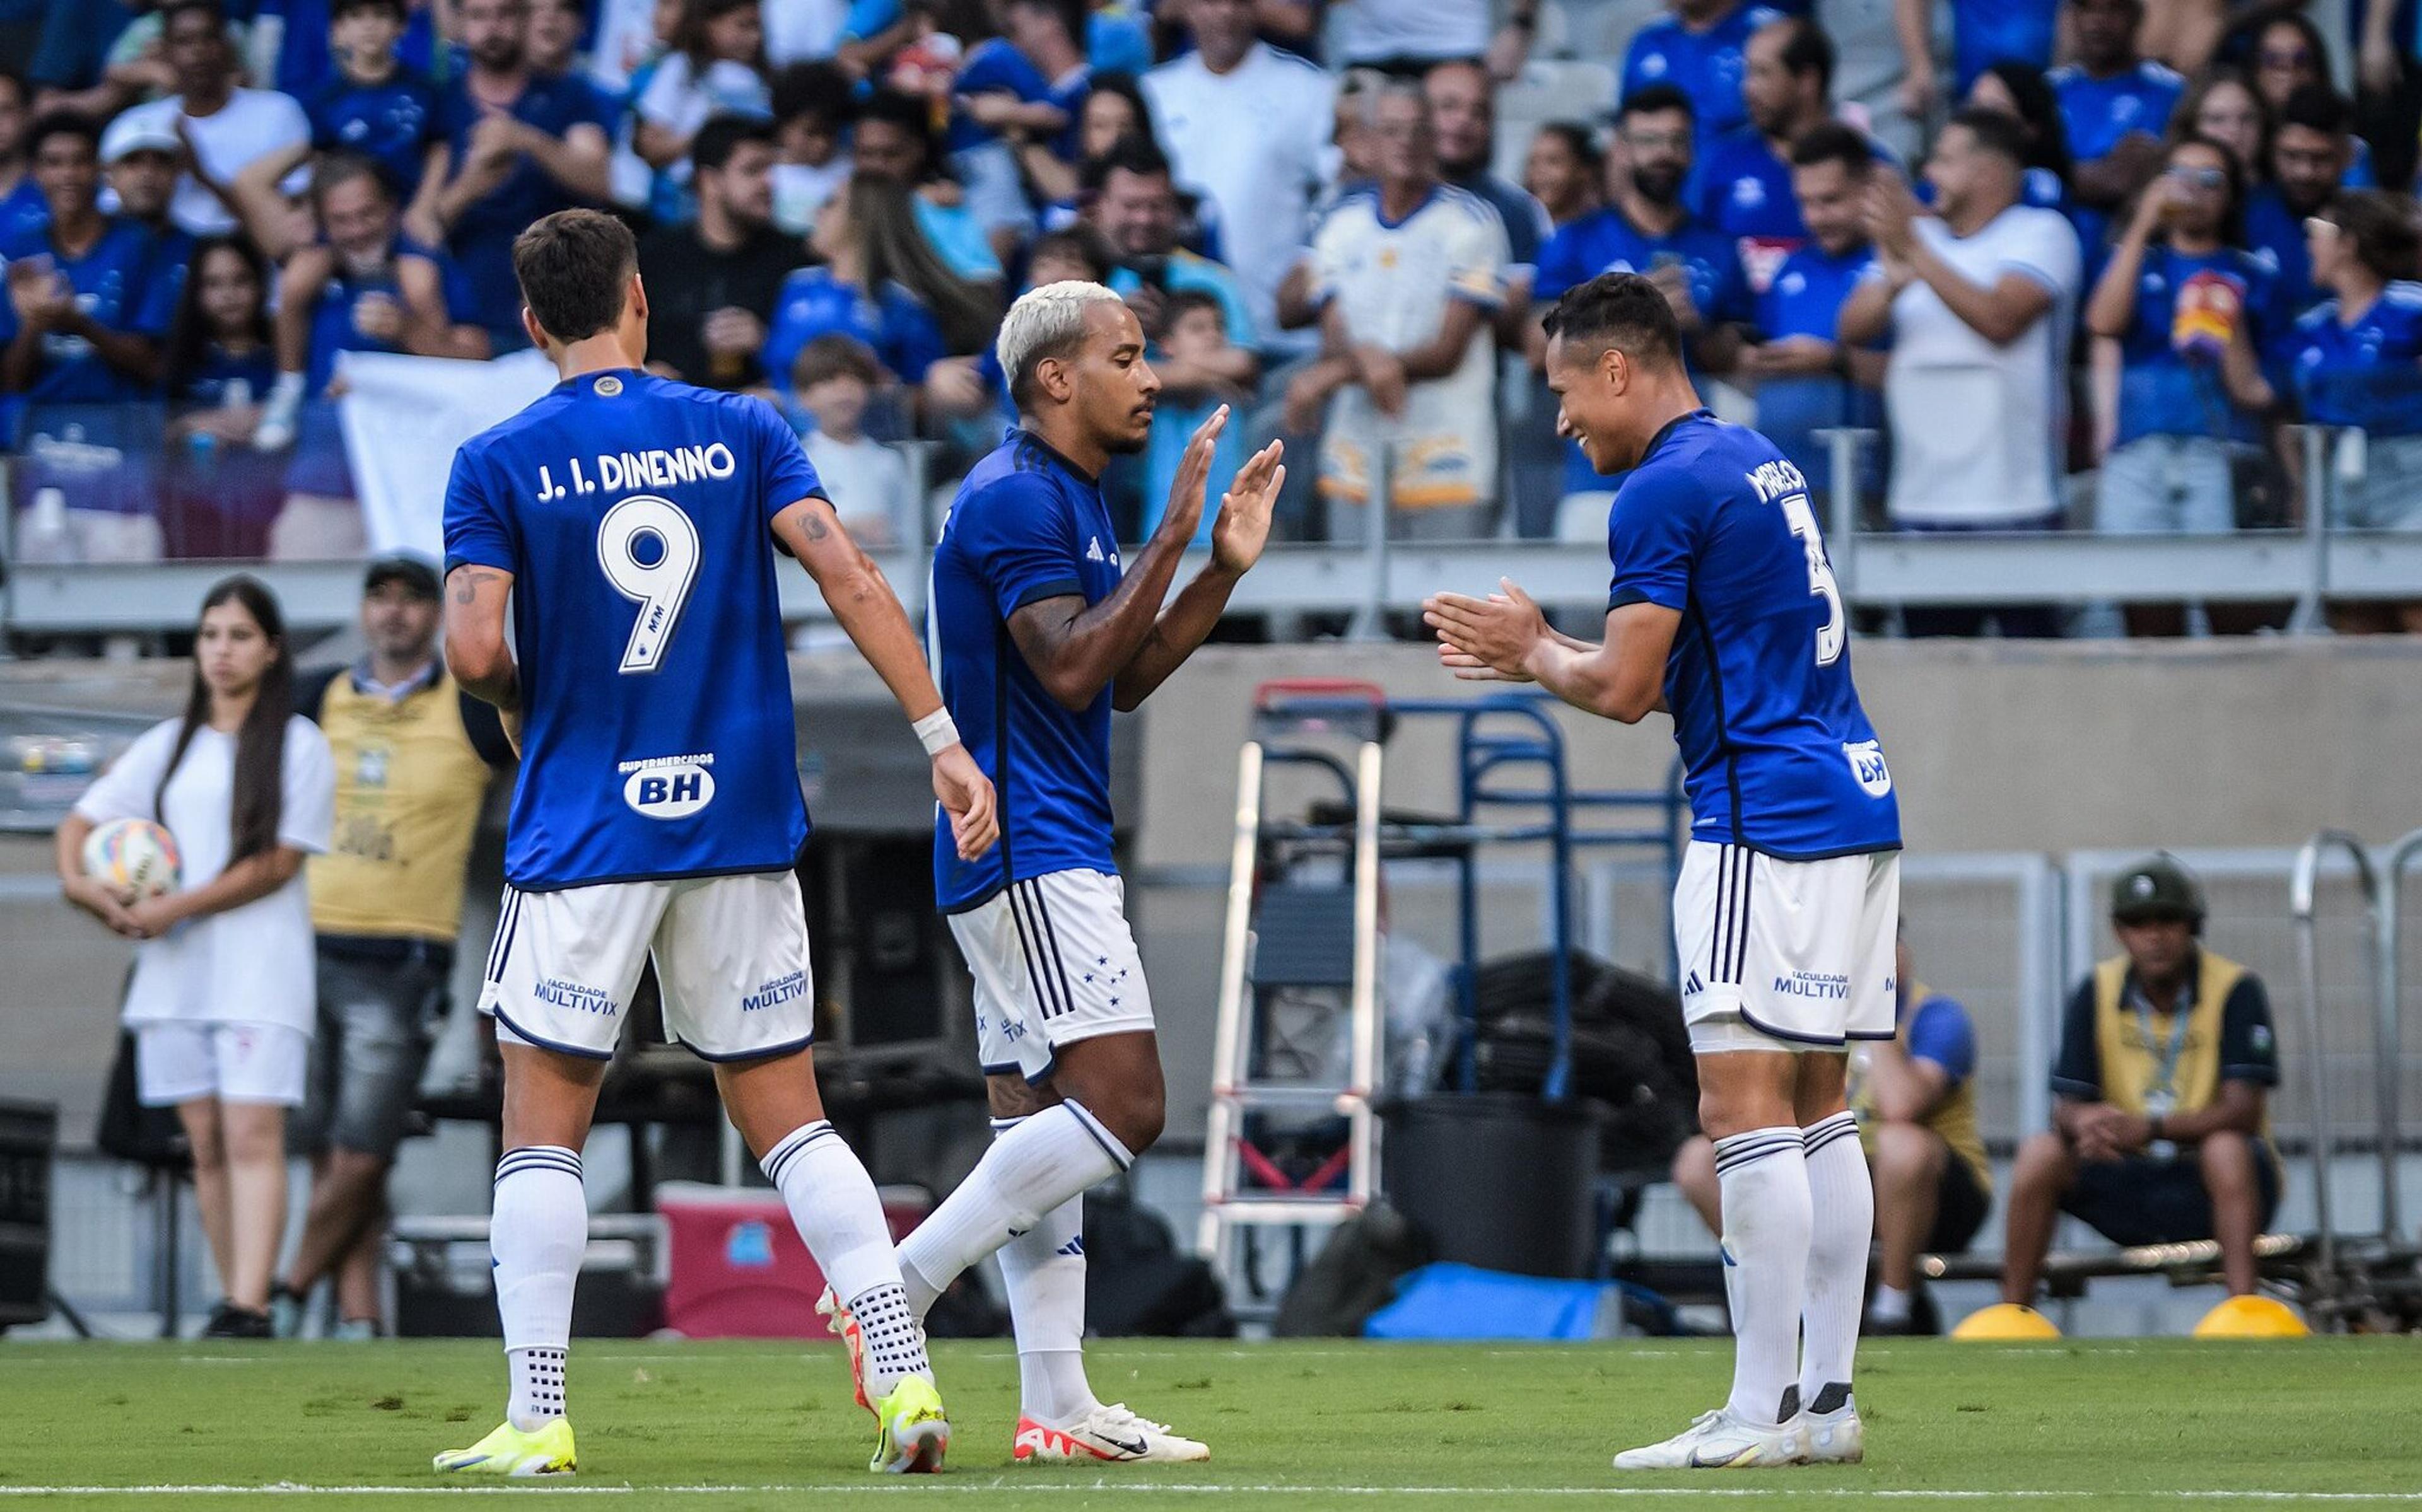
(2177, 319)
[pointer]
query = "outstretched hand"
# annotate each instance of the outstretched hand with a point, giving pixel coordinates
(1243, 527)
(967, 795)
(1185, 508)
(1487, 640)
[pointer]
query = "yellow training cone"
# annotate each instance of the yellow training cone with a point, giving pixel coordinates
(2004, 1323)
(2250, 1317)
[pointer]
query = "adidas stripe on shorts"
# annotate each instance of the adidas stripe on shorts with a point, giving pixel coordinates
(1054, 962)
(1786, 955)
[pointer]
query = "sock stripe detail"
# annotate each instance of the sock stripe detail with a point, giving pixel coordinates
(1736, 1150)
(1825, 1131)
(1102, 1136)
(796, 1143)
(539, 1157)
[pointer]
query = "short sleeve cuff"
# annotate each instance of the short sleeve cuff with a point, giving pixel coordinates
(1632, 593)
(2259, 1075)
(1056, 588)
(2069, 1089)
(2027, 270)
(477, 557)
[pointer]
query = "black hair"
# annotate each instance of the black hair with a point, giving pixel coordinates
(52, 123)
(258, 802)
(1834, 141)
(1996, 132)
(1124, 85)
(1579, 141)
(1074, 15)
(690, 32)
(1655, 100)
(1809, 51)
(575, 267)
(343, 8)
(2039, 113)
(2232, 220)
(1129, 154)
(1180, 300)
(906, 110)
(1080, 240)
(820, 90)
(190, 336)
(722, 136)
(1622, 312)
(2317, 107)
(2380, 226)
(835, 355)
(2243, 43)
(334, 170)
(212, 8)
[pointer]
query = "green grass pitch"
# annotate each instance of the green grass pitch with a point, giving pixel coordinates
(1302, 1426)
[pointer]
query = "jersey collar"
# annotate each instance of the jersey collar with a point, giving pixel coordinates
(1671, 426)
(1021, 433)
(628, 376)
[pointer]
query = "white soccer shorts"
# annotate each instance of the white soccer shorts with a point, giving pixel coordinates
(1054, 962)
(1789, 955)
(731, 953)
(179, 1060)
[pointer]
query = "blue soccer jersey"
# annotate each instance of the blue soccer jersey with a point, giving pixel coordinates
(1706, 65)
(657, 733)
(1715, 523)
(1026, 526)
(2366, 371)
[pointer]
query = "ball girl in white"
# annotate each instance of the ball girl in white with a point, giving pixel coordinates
(221, 1002)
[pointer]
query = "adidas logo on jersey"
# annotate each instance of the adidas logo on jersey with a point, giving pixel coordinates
(1094, 550)
(1691, 986)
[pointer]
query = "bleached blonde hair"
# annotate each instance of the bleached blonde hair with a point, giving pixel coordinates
(1045, 322)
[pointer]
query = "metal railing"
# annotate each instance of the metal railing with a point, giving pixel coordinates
(2308, 565)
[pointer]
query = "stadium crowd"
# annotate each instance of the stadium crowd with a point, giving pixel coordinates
(2136, 249)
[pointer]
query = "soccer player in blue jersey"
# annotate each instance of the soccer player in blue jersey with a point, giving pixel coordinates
(1038, 637)
(1725, 612)
(630, 523)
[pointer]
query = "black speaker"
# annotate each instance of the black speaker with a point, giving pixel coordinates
(29, 1131)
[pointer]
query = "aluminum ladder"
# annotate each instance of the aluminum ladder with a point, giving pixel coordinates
(1308, 949)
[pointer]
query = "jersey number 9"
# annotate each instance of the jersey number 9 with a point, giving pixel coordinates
(647, 550)
(1802, 521)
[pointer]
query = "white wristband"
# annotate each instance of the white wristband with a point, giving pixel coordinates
(938, 732)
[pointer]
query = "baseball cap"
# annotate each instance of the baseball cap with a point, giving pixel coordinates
(2156, 888)
(415, 575)
(138, 130)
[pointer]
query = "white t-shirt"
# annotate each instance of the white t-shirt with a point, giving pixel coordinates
(801, 31)
(865, 479)
(1256, 141)
(250, 126)
(251, 964)
(1393, 286)
(1378, 31)
(1978, 430)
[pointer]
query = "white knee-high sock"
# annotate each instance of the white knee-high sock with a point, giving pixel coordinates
(834, 1206)
(1042, 1271)
(537, 1232)
(1843, 1199)
(1031, 1169)
(1767, 1220)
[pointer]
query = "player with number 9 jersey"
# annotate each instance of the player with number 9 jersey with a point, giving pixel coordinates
(658, 740)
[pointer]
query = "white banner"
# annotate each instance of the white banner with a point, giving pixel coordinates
(402, 419)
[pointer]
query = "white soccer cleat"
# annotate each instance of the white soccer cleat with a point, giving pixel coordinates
(1835, 1438)
(1718, 1440)
(1110, 1433)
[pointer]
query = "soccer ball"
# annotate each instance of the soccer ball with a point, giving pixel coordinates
(132, 858)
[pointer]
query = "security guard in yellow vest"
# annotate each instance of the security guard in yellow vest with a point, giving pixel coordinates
(2167, 1058)
(1916, 1106)
(413, 761)
(1915, 1099)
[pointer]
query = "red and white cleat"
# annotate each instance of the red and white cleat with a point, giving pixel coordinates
(1111, 1433)
(838, 1318)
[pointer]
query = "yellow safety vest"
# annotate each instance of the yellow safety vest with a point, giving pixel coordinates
(409, 790)
(2131, 1053)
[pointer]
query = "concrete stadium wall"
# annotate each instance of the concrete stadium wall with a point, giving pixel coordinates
(1995, 747)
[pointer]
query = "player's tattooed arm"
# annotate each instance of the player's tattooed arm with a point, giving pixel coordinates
(476, 651)
(1076, 650)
